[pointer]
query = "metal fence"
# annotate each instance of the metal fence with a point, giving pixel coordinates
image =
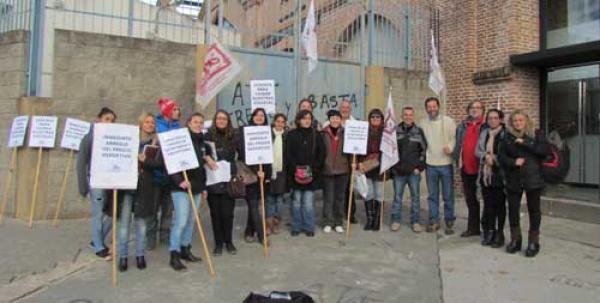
(390, 33)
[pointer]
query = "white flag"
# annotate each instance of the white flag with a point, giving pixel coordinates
(436, 78)
(309, 38)
(219, 68)
(389, 145)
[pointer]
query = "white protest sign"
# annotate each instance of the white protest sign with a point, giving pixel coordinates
(74, 131)
(262, 94)
(43, 131)
(114, 156)
(356, 136)
(258, 145)
(178, 151)
(17, 131)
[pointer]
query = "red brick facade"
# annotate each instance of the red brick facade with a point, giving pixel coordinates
(477, 38)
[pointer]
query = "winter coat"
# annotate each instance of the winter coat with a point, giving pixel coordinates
(304, 146)
(412, 148)
(534, 150)
(335, 163)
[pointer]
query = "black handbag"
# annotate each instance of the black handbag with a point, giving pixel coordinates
(280, 297)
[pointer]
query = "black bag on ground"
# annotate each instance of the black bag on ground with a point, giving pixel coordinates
(280, 297)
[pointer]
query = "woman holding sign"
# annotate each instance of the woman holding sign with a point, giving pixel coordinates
(335, 173)
(141, 203)
(101, 224)
(369, 165)
(182, 226)
(221, 204)
(305, 155)
(254, 222)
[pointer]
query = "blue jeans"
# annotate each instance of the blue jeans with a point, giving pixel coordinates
(182, 225)
(374, 190)
(125, 223)
(445, 175)
(400, 183)
(273, 201)
(303, 211)
(101, 224)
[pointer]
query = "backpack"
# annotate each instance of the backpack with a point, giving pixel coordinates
(556, 166)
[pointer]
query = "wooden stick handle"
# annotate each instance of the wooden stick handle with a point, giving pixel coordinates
(63, 189)
(382, 201)
(211, 268)
(114, 238)
(262, 206)
(350, 195)
(36, 182)
(11, 168)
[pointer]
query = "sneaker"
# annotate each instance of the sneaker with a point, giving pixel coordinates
(395, 226)
(310, 233)
(104, 254)
(327, 229)
(417, 228)
(433, 227)
(339, 229)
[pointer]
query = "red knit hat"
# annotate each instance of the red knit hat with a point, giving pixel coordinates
(167, 106)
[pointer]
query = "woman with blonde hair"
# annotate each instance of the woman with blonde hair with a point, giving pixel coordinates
(521, 154)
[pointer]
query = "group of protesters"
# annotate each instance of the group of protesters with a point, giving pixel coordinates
(502, 160)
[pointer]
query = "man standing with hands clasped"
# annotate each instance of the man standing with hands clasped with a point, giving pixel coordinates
(439, 132)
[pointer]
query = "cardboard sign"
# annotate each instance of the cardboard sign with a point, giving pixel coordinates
(178, 151)
(17, 131)
(74, 131)
(43, 131)
(258, 145)
(356, 137)
(262, 94)
(114, 156)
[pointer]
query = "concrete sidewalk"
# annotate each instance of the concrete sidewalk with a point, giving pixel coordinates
(55, 265)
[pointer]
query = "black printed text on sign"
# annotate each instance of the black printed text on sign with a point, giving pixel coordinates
(258, 145)
(262, 95)
(18, 129)
(114, 156)
(43, 131)
(178, 151)
(74, 131)
(356, 136)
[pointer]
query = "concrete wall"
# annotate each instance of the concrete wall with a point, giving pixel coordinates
(13, 70)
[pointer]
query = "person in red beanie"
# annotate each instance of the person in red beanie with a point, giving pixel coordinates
(169, 115)
(167, 119)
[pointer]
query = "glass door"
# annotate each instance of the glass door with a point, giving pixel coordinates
(572, 109)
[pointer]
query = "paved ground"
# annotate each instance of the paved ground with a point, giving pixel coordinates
(49, 264)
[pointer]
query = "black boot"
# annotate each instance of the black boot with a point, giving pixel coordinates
(176, 261)
(515, 240)
(369, 213)
(533, 246)
(140, 262)
(122, 264)
(186, 254)
(376, 215)
(488, 237)
(498, 239)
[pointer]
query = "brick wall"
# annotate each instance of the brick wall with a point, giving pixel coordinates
(13, 67)
(478, 36)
